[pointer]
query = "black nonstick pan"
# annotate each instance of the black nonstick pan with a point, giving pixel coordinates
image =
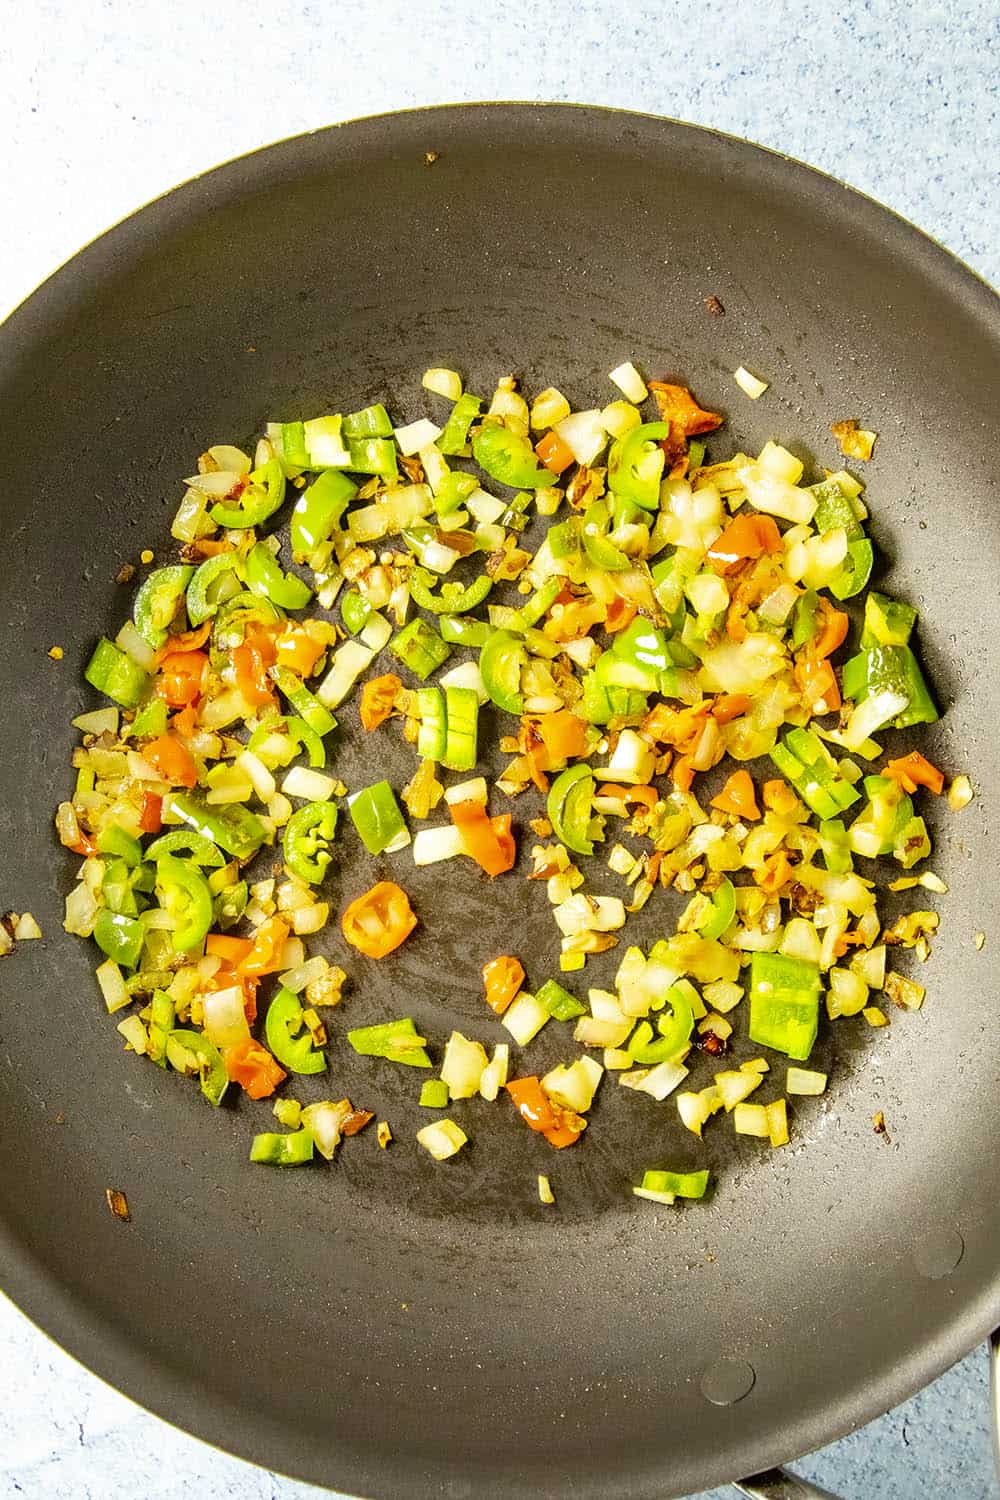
(391, 1327)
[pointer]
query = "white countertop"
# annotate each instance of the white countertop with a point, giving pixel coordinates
(105, 105)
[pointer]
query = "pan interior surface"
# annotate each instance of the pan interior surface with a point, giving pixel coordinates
(392, 1327)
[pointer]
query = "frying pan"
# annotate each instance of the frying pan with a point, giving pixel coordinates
(389, 1326)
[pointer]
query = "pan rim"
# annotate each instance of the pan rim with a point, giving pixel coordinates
(66, 1317)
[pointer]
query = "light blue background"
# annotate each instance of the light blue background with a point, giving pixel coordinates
(105, 105)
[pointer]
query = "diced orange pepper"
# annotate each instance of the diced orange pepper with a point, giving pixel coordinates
(913, 770)
(265, 954)
(817, 683)
(181, 677)
(648, 796)
(150, 820)
(503, 978)
(746, 536)
(172, 760)
(223, 945)
(560, 1127)
(729, 706)
(250, 663)
(738, 796)
(621, 613)
(779, 797)
(490, 845)
(299, 650)
(185, 721)
(377, 922)
(682, 774)
(377, 698)
(189, 640)
(564, 736)
(775, 873)
(679, 408)
(251, 1066)
(554, 453)
(832, 631)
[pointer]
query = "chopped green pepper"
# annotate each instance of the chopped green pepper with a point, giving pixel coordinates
(635, 464)
(681, 1184)
(887, 622)
(570, 804)
(117, 889)
(804, 760)
(276, 1150)
(184, 893)
(541, 601)
(308, 740)
(319, 509)
(162, 1019)
(602, 553)
(500, 664)
(461, 715)
(157, 599)
(784, 1003)
(235, 829)
(453, 599)
(435, 1094)
(375, 814)
(355, 611)
(432, 734)
(185, 841)
(230, 903)
(559, 1003)
(675, 1030)
(114, 840)
(396, 1041)
(835, 847)
(306, 840)
(373, 455)
(115, 674)
(370, 422)
(265, 576)
(419, 647)
(805, 620)
(119, 936)
(564, 539)
(855, 571)
(284, 1022)
(835, 510)
(459, 630)
(214, 581)
(509, 459)
(453, 491)
(191, 1052)
(455, 436)
(305, 703)
(261, 498)
(721, 911)
(293, 445)
(150, 720)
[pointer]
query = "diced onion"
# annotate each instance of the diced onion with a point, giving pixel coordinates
(135, 1034)
(133, 644)
(960, 793)
(584, 435)
(432, 845)
(474, 790)
(525, 1018)
(224, 1017)
(545, 1192)
(417, 435)
(349, 661)
(109, 977)
(751, 1119)
(658, 1081)
(447, 383)
(574, 1087)
(804, 1081)
(628, 380)
(463, 1065)
(442, 1138)
(749, 384)
(100, 721)
(549, 407)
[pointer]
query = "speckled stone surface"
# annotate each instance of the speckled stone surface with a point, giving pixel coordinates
(107, 104)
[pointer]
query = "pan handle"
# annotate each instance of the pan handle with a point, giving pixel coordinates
(778, 1484)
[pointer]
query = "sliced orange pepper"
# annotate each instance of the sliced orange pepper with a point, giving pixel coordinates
(253, 1068)
(505, 839)
(554, 453)
(185, 721)
(377, 922)
(621, 613)
(377, 698)
(564, 736)
(775, 873)
(84, 846)
(172, 759)
(746, 536)
(265, 954)
(913, 770)
(679, 408)
(738, 796)
(503, 978)
(250, 663)
(779, 797)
